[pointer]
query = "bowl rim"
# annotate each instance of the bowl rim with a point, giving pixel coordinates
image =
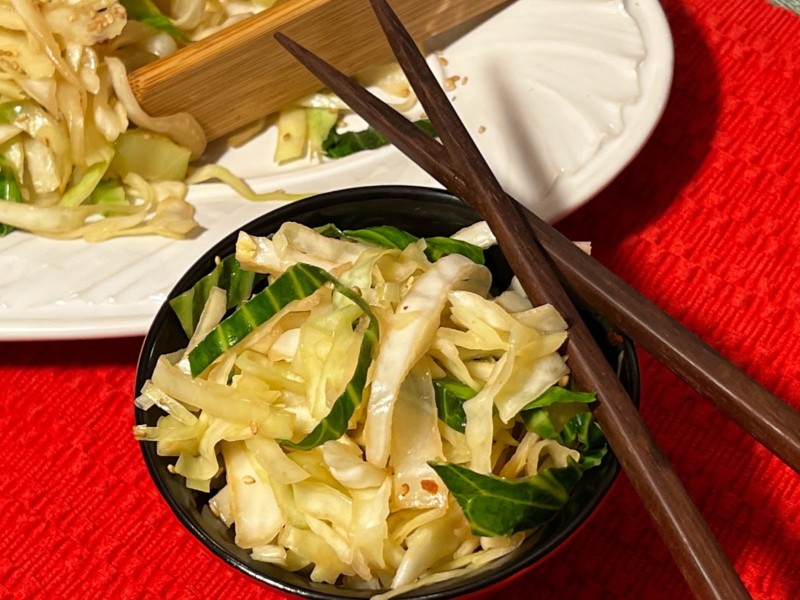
(284, 213)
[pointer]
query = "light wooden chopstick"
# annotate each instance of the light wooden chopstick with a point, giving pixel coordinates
(458, 164)
(241, 74)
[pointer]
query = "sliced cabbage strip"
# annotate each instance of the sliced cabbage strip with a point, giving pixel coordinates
(258, 516)
(414, 326)
(415, 441)
(294, 243)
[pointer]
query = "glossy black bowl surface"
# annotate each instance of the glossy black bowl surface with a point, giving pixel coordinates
(423, 212)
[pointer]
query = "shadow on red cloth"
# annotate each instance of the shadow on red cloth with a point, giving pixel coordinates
(671, 157)
(121, 351)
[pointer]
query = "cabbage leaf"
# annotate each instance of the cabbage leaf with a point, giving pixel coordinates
(338, 145)
(495, 506)
(334, 425)
(560, 395)
(229, 275)
(299, 281)
(450, 397)
(9, 190)
(393, 237)
(145, 11)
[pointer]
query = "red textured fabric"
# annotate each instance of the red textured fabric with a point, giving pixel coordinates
(706, 221)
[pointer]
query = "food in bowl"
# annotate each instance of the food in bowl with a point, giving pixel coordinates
(383, 421)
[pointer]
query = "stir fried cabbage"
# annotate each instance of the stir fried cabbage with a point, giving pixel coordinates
(372, 417)
(81, 159)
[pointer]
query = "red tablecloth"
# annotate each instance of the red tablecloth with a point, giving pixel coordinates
(706, 221)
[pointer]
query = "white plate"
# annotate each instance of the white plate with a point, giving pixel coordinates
(559, 94)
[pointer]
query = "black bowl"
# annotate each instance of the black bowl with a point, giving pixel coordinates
(423, 212)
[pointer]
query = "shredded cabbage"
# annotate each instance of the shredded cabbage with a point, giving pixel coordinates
(70, 124)
(381, 506)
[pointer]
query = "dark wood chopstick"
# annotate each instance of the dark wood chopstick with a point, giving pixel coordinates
(767, 418)
(460, 166)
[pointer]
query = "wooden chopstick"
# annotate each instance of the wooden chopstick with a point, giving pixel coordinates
(251, 77)
(688, 537)
(767, 418)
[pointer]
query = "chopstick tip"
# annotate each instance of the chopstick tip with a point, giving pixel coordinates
(282, 39)
(292, 47)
